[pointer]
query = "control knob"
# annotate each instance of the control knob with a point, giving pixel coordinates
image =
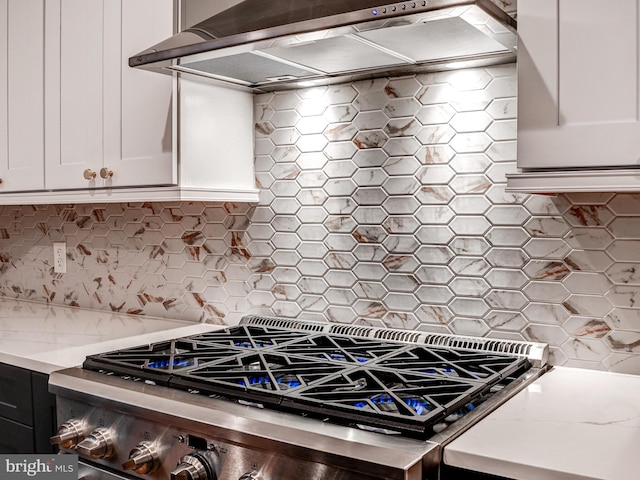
(193, 467)
(142, 459)
(251, 476)
(69, 434)
(97, 445)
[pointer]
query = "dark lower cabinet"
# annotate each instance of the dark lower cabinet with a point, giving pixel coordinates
(15, 437)
(27, 411)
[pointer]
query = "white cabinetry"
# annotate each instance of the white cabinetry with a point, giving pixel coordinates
(216, 137)
(82, 126)
(21, 95)
(578, 96)
(99, 112)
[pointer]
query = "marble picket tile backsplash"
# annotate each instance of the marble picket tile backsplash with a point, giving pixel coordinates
(382, 202)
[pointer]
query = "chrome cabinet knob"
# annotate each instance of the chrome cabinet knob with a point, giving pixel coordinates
(106, 173)
(89, 174)
(193, 467)
(98, 444)
(69, 434)
(143, 459)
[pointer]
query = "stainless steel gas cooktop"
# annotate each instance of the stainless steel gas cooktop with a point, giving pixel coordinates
(409, 388)
(283, 399)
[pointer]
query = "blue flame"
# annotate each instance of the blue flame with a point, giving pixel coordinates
(167, 363)
(382, 399)
(290, 382)
(264, 380)
(418, 405)
(248, 344)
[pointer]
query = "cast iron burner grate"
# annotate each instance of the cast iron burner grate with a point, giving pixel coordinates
(391, 385)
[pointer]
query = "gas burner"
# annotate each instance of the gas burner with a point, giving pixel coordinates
(404, 387)
(171, 363)
(388, 403)
(419, 405)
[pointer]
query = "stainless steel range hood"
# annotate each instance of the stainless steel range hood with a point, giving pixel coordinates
(276, 44)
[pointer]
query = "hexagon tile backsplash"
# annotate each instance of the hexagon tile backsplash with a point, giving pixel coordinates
(382, 202)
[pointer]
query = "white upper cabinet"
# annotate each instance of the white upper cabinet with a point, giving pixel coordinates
(21, 95)
(578, 96)
(78, 125)
(107, 124)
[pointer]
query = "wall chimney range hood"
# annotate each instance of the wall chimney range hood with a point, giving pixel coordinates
(279, 44)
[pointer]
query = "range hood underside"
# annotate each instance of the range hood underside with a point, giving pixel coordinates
(448, 38)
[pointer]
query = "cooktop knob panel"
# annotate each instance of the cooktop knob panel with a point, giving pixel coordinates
(98, 444)
(69, 434)
(193, 467)
(143, 459)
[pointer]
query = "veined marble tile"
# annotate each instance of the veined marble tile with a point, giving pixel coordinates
(546, 314)
(624, 341)
(503, 151)
(382, 202)
(548, 248)
(474, 246)
(434, 294)
(469, 326)
(435, 235)
(624, 227)
(469, 266)
(585, 327)
(588, 260)
(625, 204)
(625, 250)
(505, 321)
(624, 296)
(469, 204)
(588, 305)
(503, 108)
(469, 225)
(546, 291)
(589, 215)
(587, 283)
(624, 273)
(469, 287)
(506, 299)
(506, 278)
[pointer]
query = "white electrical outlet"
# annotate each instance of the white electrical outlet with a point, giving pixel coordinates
(60, 257)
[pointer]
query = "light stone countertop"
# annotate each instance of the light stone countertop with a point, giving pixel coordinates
(570, 424)
(45, 338)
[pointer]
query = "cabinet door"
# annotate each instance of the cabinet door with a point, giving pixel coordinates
(101, 113)
(578, 84)
(138, 108)
(16, 410)
(74, 33)
(15, 437)
(15, 394)
(21, 95)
